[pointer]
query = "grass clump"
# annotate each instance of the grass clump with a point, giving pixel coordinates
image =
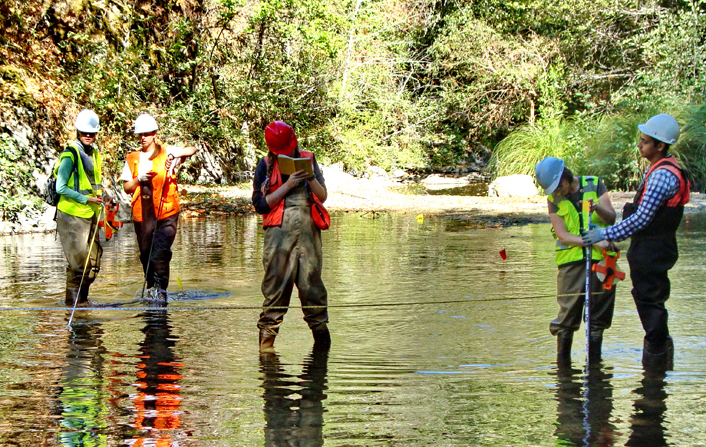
(520, 151)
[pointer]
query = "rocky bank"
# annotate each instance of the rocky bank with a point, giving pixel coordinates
(376, 193)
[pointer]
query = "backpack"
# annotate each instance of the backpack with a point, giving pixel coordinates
(50, 195)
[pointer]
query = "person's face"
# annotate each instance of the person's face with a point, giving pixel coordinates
(564, 187)
(87, 138)
(650, 148)
(147, 139)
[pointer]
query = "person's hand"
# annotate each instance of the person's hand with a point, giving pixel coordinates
(295, 178)
(96, 200)
(602, 244)
(146, 176)
(171, 160)
(592, 237)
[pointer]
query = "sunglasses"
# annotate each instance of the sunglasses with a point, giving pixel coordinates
(88, 134)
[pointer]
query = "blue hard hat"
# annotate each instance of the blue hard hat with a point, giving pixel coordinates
(548, 173)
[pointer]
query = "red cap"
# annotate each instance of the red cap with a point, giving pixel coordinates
(280, 138)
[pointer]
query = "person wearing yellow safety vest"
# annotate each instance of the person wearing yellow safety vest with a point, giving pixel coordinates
(149, 176)
(566, 192)
(651, 222)
(79, 207)
(292, 249)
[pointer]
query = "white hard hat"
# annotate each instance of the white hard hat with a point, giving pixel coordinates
(145, 123)
(662, 127)
(548, 172)
(87, 121)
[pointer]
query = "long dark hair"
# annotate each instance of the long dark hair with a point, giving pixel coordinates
(271, 158)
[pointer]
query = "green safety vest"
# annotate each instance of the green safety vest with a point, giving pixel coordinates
(70, 206)
(576, 222)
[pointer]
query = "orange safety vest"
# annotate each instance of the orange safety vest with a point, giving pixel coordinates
(274, 217)
(668, 216)
(169, 198)
(681, 198)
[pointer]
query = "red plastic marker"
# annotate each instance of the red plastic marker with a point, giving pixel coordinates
(502, 254)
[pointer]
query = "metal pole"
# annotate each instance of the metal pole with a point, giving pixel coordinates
(586, 204)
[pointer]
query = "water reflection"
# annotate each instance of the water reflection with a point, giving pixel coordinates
(294, 410)
(157, 402)
(584, 407)
(82, 406)
(647, 421)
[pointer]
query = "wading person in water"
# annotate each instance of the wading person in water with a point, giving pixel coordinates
(292, 248)
(78, 182)
(566, 192)
(149, 176)
(652, 220)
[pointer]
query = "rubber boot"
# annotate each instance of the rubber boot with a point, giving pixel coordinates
(83, 294)
(72, 296)
(267, 340)
(658, 358)
(322, 337)
(161, 298)
(595, 344)
(563, 349)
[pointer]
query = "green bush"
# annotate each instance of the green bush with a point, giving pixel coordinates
(15, 181)
(611, 151)
(691, 148)
(520, 151)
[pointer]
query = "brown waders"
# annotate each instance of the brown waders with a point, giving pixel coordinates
(157, 237)
(292, 256)
(76, 234)
(571, 288)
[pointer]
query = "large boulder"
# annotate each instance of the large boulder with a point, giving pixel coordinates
(513, 186)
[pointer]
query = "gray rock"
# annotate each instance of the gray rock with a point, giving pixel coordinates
(513, 186)
(451, 182)
(399, 173)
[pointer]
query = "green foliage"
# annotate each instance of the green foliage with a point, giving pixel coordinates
(489, 81)
(691, 147)
(612, 152)
(393, 83)
(15, 177)
(520, 151)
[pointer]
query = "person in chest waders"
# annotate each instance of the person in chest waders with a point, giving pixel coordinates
(79, 208)
(292, 248)
(148, 175)
(565, 196)
(651, 221)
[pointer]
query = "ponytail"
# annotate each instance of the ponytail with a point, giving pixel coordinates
(158, 146)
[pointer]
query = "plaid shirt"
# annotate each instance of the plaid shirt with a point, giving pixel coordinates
(663, 185)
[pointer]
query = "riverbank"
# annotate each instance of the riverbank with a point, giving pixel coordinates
(377, 194)
(381, 195)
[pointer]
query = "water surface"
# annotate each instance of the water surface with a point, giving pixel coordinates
(436, 341)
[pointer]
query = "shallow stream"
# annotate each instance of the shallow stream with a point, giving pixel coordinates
(436, 341)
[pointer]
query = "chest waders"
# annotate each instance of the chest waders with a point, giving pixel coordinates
(85, 267)
(292, 256)
(155, 238)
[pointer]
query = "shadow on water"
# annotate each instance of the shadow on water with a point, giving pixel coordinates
(156, 413)
(585, 407)
(116, 377)
(293, 407)
(648, 419)
(79, 397)
(87, 415)
(473, 189)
